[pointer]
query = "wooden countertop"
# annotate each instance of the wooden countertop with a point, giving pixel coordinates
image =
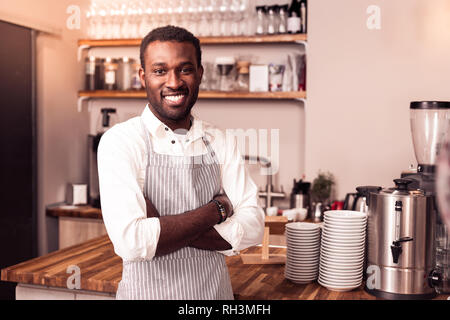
(101, 270)
(86, 211)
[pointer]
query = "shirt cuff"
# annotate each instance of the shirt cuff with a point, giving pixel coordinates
(232, 232)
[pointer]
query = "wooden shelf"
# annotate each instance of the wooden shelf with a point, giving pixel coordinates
(202, 95)
(280, 38)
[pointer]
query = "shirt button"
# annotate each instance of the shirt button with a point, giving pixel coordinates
(173, 141)
(167, 129)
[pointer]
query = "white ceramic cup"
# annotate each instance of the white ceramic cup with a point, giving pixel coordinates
(272, 211)
(290, 214)
(302, 213)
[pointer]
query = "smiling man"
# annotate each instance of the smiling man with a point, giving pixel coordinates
(175, 195)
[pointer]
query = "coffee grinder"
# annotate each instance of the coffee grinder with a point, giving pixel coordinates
(106, 120)
(430, 128)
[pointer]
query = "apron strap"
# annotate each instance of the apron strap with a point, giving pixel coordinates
(148, 143)
(210, 149)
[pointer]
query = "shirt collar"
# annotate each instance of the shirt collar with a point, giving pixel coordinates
(157, 128)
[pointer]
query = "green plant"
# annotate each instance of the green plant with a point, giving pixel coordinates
(322, 186)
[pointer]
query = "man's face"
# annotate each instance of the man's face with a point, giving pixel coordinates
(171, 78)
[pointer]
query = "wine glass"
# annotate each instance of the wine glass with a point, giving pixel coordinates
(91, 17)
(235, 16)
(225, 15)
(247, 24)
(124, 17)
(162, 13)
(133, 13)
(202, 13)
(193, 16)
(151, 15)
(169, 17)
(215, 17)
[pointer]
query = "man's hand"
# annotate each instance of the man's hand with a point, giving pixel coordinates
(151, 210)
(225, 201)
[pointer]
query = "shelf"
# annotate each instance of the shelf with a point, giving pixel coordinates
(280, 38)
(202, 95)
(105, 94)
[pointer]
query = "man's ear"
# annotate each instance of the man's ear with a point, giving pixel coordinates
(200, 73)
(142, 76)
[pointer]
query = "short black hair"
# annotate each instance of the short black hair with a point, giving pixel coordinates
(170, 33)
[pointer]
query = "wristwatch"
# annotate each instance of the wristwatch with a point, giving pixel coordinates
(221, 210)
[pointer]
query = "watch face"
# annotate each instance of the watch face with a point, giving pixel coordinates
(443, 183)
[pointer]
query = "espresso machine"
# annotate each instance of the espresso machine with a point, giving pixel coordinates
(106, 120)
(402, 220)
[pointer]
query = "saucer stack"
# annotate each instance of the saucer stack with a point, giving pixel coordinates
(303, 252)
(342, 250)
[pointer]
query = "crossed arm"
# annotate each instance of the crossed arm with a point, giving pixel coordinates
(193, 228)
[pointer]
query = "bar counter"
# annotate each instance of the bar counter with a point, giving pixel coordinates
(101, 270)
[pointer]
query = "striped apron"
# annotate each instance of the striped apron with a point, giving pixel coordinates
(176, 184)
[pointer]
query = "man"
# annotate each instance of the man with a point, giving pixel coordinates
(175, 194)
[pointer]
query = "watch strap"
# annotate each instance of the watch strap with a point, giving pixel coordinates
(221, 210)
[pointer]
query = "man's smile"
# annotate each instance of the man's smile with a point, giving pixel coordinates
(177, 98)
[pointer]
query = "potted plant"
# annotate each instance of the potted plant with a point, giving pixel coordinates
(321, 189)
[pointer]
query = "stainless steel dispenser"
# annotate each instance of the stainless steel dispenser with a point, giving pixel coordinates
(401, 248)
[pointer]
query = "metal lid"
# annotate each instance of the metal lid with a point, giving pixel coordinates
(430, 105)
(401, 189)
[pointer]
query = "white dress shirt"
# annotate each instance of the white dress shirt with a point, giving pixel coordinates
(122, 160)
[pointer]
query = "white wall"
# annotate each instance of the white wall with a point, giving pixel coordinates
(360, 84)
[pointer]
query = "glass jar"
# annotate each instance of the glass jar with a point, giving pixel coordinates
(99, 73)
(242, 82)
(111, 67)
(89, 73)
(135, 78)
(124, 73)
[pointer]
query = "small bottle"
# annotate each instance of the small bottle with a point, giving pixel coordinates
(303, 15)
(261, 27)
(90, 74)
(110, 74)
(272, 21)
(124, 74)
(294, 20)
